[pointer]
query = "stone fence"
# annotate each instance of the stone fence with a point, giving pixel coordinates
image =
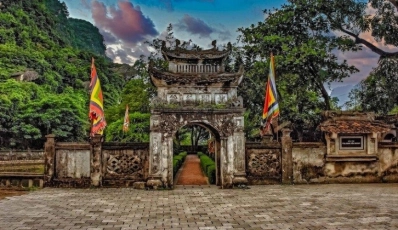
(127, 164)
(13, 155)
(301, 162)
(95, 163)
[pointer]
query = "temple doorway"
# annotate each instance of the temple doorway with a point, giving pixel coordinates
(196, 159)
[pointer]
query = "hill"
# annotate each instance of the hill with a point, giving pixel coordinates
(45, 60)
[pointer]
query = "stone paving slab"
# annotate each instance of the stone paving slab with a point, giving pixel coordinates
(332, 206)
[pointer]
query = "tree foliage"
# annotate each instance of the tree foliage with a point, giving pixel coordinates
(36, 37)
(305, 62)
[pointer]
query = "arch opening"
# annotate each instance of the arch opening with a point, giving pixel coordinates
(201, 143)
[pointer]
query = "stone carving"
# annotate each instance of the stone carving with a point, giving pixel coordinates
(124, 164)
(173, 98)
(237, 102)
(189, 98)
(205, 98)
(225, 124)
(221, 98)
(169, 123)
(264, 164)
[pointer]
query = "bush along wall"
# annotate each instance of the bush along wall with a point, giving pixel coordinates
(177, 161)
(208, 167)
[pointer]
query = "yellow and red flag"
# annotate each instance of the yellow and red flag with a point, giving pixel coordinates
(271, 106)
(126, 121)
(96, 110)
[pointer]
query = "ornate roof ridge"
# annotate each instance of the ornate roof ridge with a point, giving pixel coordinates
(212, 53)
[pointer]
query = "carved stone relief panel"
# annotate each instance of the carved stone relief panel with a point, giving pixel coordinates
(189, 98)
(205, 98)
(173, 98)
(220, 98)
(225, 124)
(264, 163)
(123, 163)
(239, 124)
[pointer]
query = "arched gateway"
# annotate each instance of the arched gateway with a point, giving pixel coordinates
(197, 90)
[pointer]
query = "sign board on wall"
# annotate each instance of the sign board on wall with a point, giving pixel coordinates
(352, 142)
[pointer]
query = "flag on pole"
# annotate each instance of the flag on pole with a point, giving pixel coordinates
(271, 106)
(96, 110)
(126, 121)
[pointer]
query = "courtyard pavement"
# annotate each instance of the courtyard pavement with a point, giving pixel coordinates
(331, 206)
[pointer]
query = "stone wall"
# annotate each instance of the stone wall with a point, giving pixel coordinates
(95, 163)
(123, 164)
(312, 165)
(263, 163)
(12, 155)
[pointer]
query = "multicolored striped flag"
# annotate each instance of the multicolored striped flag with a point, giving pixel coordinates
(126, 121)
(271, 106)
(96, 113)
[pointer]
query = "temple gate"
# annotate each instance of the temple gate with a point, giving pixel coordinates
(196, 90)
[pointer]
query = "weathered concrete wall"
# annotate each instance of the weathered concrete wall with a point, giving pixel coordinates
(388, 162)
(72, 163)
(263, 163)
(308, 162)
(311, 164)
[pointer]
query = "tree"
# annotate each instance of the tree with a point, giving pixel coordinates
(350, 19)
(304, 59)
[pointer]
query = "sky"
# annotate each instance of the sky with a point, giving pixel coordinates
(127, 24)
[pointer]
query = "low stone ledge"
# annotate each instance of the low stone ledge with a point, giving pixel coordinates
(352, 158)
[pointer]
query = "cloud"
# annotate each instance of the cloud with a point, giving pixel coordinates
(197, 26)
(126, 22)
(167, 4)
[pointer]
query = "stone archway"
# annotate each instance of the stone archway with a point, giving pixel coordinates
(209, 134)
(227, 124)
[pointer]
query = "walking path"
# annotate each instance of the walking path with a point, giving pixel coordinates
(328, 206)
(190, 172)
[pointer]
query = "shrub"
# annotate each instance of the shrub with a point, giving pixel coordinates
(177, 162)
(211, 174)
(208, 167)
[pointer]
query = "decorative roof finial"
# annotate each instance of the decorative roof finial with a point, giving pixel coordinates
(214, 43)
(177, 43)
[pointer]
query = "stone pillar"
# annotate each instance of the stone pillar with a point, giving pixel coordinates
(239, 159)
(96, 155)
(155, 150)
(223, 161)
(49, 153)
(287, 157)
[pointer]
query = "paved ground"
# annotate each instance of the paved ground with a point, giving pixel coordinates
(344, 206)
(190, 172)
